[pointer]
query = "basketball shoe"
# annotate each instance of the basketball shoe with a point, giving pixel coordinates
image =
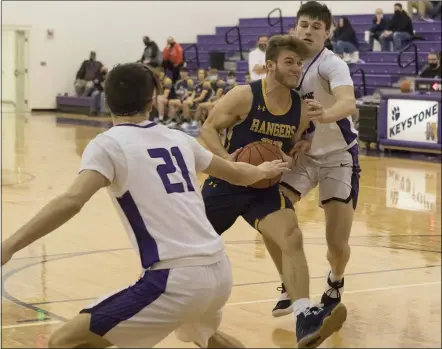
(315, 324)
(284, 305)
(333, 291)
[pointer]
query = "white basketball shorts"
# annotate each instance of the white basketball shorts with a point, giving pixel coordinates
(187, 300)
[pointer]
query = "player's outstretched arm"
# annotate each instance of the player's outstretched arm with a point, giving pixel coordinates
(226, 113)
(241, 173)
(55, 213)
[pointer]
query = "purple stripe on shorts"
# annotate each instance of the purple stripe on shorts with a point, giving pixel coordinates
(127, 303)
(354, 152)
(146, 244)
(347, 133)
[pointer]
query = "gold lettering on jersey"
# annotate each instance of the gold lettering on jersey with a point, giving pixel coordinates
(271, 141)
(261, 108)
(272, 129)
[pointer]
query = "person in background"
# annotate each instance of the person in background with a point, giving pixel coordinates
(163, 99)
(183, 89)
(379, 26)
(257, 59)
(212, 76)
(89, 70)
(346, 41)
(151, 54)
(201, 93)
(231, 81)
(98, 93)
(173, 58)
(436, 11)
(247, 78)
(399, 30)
(433, 69)
(423, 8)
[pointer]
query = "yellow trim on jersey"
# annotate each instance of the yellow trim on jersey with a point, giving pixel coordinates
(256, 223)
(282, 200)
(230, 132)
(263, 88)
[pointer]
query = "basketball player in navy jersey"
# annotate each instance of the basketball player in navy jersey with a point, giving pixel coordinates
(269, 110)
(332, 160)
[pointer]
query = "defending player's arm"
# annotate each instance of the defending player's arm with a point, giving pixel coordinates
(237, 173)
(226, 113)
(61, 209)
(336, 71)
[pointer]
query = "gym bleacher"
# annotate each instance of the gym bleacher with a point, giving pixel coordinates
(377, 69)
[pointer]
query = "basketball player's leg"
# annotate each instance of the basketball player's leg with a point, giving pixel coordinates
(223, 205)
(76, 334)
(294, 185)
(137, 316)
(338, 191)
(274, 217)
(204, 330)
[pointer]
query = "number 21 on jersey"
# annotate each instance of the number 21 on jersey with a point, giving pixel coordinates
(164, 170)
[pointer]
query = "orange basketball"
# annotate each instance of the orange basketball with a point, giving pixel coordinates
(405, 86)
(255, 154)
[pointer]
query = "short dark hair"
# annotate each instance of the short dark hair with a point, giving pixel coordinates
(398, 4)
(315, 10)
(184, 70)
(129, 88)
(278, 43)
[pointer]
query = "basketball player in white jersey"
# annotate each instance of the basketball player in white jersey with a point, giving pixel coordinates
(332, 160)
(151, 175)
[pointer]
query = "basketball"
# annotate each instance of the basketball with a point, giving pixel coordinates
(405, 86)
(255, 154)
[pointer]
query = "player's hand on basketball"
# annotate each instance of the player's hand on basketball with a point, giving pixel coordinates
(272, 169)
(315, 111)
(232, 157)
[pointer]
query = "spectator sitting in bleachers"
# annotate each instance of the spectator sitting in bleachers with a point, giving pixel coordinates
(379, 26)
(98, 93)
(173, 58)
(201, 93)
(436, 11)
(423, 8)
(247, 78)
(231, 81)
(89, 70)
(183, 90)
(151, 54)
(257, 59)
(346, 42)
(163, 99)
(433, 69)
(399, 31)
(212, 76)
(203, 109)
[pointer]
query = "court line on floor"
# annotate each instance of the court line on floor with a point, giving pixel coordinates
(49, 314)
(255, 283)
(233, 242)
(386, 288)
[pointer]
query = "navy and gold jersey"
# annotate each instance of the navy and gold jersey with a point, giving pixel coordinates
(168, 85)
(181, 89)
(199, 90)
(261, 125)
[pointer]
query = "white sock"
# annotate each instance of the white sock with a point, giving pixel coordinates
(300, 305)
(335, 278)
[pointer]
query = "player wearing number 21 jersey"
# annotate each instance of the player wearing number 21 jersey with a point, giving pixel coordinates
(150, 172)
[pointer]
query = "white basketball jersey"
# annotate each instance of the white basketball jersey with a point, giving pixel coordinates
(319, 76)
(153, 175)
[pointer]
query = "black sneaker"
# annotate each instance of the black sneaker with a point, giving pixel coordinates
(317, 323)
(333, 294)
(284, 305)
